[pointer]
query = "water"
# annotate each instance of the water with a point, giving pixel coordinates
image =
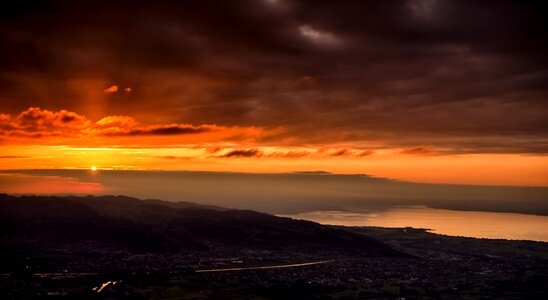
(476, 224)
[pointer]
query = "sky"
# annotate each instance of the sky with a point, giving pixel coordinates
(431, 91)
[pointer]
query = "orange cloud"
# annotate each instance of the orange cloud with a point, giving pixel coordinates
(365, 153)
(36, 118)
(111, 89)
(117, 121)
(340, 152)
(294, 154)
(243, 153)
(35, 122)
(420, 150)
(70, 128)
(171, 129)
(290, 154)
(125, 125)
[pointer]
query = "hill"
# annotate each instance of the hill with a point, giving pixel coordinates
(119, 225)
(117, 247)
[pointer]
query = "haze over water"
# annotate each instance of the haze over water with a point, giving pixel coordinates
(352, 200)
(477, 224)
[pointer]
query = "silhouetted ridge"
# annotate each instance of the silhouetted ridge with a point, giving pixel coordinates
(120, 223)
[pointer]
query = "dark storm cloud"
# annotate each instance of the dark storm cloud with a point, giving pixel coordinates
(466, 76)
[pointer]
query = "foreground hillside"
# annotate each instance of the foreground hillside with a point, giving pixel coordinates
(97, 228)
(124, 248)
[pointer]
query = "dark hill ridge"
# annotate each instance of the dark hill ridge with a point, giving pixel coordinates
(111, 224)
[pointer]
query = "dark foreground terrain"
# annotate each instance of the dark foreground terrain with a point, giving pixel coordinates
(124, 248)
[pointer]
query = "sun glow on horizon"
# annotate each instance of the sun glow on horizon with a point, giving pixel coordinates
(477, 169)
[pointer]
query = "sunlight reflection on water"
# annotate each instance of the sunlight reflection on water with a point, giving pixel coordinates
(450, 222)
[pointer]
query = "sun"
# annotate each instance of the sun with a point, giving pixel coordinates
(94, 168)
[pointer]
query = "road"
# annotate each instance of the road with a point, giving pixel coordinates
(265, 267)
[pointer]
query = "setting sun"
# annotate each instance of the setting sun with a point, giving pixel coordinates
(94, 168)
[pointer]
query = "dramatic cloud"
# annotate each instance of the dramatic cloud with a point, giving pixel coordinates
(35, 122)
(461, 76)
(36, 118)
(124, 125)
(170, 130)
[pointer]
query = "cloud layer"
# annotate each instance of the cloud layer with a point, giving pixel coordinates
(36, 122)
(460, 76)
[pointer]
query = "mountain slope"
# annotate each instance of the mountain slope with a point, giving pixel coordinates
(109, 224)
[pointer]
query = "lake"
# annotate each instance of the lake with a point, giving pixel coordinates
(476, 224)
